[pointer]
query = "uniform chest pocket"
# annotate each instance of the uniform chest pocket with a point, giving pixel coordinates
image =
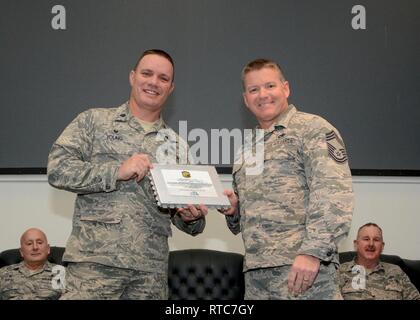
(104, 215)
(282, 157)
(350, 288)
(12, 292)
(393, 291)
(352, 291)
(46, 290)
(282, 168)
(281, 148)
(279, 156)
(281, 164)
(283, 182)
(11, 287)
(116, 141)
(102, 157)
(101, 207)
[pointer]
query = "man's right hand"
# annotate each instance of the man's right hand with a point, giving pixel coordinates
(135, 167)
(233, 199)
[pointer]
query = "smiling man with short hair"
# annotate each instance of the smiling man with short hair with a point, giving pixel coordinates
(293, 213)
(118, 248)
(367, 278)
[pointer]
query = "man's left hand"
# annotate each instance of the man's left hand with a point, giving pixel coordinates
(303, 273)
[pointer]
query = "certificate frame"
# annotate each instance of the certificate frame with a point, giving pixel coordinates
(176, 186)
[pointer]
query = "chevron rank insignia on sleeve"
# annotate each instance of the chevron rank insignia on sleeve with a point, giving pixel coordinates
(336, 148)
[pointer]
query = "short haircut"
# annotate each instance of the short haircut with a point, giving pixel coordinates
(158, 52)
(33, 229)
(259, 64)
(369, 224)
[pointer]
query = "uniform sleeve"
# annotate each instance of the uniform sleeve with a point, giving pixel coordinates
(342, 275)
(233, 222)
(193, 227)
(410, 292)
(2, 281)
(331, 199)
(69, 165)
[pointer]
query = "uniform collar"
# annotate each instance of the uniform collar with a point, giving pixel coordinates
(123, 114)
(25, 271)
(283, 119)
(379, 267)
(350, 265)
(353, 263)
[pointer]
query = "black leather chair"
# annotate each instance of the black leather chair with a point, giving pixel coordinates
(193, 274)
(13, 256)
(198, 274)
(410, 267)
(213, 275)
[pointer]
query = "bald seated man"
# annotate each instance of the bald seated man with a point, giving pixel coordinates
(35, 278)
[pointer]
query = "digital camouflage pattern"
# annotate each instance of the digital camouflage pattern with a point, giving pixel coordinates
(93, 281)
(271, 284)
(302, 202)
(385, 282)
(18, 283)
(115, 223)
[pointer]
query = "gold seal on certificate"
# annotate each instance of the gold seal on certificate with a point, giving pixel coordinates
(176, 186)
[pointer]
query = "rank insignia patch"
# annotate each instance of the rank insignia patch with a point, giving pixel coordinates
(336, 147)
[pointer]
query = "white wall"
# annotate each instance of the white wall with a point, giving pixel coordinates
(393, 203)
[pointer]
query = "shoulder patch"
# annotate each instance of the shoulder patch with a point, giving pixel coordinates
(336, 147)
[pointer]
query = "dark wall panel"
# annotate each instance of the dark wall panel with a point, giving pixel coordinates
(365, 82)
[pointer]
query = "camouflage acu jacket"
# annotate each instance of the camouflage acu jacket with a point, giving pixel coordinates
(385, 282)
(18, 283)
(302, 202)
(115, 223)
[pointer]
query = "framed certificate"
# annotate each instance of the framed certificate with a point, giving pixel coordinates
(176, 186)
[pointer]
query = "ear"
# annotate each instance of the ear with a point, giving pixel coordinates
(49, 249)
(21, 254)
(172, 88)
(131, 76)
(245, 100)
(355, 245)
(286, 89)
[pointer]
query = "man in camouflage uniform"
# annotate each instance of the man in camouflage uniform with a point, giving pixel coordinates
(35, 278)
(293, 212)
(367, 278)
(118, 247)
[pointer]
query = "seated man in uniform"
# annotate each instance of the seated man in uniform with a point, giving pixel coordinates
(367, 278)
(34, 278)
